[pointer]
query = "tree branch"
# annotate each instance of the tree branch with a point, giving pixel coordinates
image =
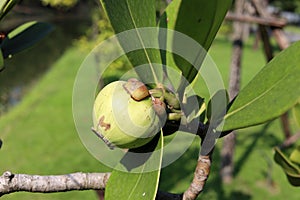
(200, 176)
(270, 21)
(10, 182)
(290, 140)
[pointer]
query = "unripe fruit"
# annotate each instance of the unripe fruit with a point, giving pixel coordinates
(122, 121)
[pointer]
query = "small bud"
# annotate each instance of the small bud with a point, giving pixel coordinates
(172, 100)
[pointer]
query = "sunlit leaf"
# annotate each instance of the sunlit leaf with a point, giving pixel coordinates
(272, 92)
(291, 170)
(132, 179)
(296, 112)
(24, 36)
(6, 6)
(132, 15)
(198, 19)
(217, 105)
(295, 155)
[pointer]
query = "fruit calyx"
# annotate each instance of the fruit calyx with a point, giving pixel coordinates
(137, 90)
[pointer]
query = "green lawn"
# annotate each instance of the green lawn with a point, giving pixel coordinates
(39, 137)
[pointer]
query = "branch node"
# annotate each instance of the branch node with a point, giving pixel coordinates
(8, 175)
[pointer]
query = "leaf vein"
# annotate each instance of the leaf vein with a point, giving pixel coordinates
(257, 98)
(143, 45)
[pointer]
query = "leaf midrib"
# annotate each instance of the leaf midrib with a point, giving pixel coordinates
(136, 183)
(258, 97)
(158, 174)
(144, 48)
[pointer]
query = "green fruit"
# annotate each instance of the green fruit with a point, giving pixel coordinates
(122, 121)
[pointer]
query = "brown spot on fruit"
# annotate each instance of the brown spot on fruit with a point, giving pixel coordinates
(101, 123)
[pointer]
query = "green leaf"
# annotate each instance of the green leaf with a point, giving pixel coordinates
(294, 179)
(295, 155)
(291, 170)
(198, 19)
(191, 111)
(296, 112)
(217, 105)
(134, 182)
(6, 6)
(134, 15)
(24, 36)
(272, 92)
(285, 163)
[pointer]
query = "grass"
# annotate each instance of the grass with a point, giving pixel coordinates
(294, 29)
(39, 137)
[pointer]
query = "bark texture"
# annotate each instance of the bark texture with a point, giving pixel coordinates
(200, 177)
(10, 182)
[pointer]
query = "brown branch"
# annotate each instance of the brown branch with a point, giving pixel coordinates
(270, 21)
(264, 35)
(200, 177)
(10, 182)
(286, 125)
(281, 38)
(291, 140)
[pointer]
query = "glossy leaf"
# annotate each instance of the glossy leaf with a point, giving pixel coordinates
(132, 15)
(167, 20)
(24, 36)
(198, 19)
(217, 105)
(291, 170)
(134, 182)
(296, 112)
(272, 92)
(6, 6)
(295, 155)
